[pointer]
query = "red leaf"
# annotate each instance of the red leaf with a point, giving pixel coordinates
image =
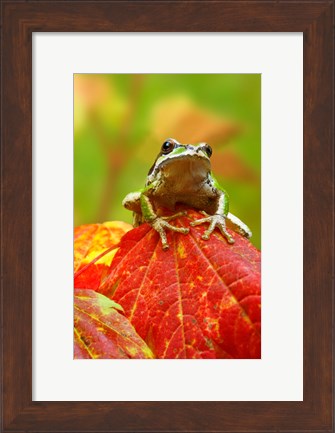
(100, 331)
(199, 299)
(92, 242)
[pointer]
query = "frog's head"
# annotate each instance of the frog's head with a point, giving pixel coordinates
(176, 160)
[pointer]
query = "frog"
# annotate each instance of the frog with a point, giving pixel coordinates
(182, 175)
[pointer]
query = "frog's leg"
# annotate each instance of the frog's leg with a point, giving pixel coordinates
(237, 225)
(160, 224)
(132, 202)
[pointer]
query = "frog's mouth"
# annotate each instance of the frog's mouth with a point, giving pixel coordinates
(189, 170)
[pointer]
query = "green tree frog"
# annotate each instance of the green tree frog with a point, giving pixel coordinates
(182, 174)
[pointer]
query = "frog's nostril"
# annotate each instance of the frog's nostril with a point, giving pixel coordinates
(190, 146)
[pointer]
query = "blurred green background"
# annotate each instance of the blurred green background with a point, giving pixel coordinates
(121, 120)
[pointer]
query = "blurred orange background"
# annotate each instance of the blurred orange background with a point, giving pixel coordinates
(121, 120)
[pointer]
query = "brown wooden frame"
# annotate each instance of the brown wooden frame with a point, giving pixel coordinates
(19, 20)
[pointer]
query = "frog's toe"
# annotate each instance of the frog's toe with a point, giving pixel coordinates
(229, 238)
(211, 228)
(200, 221)
(224, 232)
(159, 228)
(167, 225)
(183, 230)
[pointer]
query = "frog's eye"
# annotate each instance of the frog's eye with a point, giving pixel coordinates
(208, 150)
(167, 147)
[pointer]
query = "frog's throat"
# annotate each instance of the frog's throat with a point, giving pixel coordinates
(184, 176)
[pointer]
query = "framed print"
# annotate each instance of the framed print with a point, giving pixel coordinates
(279, 59)
(144, 398)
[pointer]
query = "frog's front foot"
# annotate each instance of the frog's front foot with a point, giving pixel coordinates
(160, 224)
(214, 221)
